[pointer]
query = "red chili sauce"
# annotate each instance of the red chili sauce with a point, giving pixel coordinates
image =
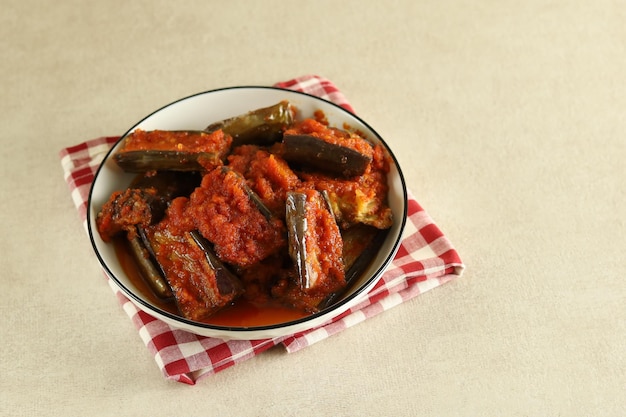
(240, 313)
(267, 174)
(225, 214)
(179, 141)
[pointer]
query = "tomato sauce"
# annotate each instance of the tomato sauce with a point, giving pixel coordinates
(244, 313)
(240, 313)
(179, 141)
(226, 215)
(266, 173)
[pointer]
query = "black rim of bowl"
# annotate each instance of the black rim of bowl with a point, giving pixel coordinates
(357, 293)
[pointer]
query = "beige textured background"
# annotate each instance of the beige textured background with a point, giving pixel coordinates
(508, 118)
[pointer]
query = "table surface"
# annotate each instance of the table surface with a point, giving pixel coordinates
(507, 118)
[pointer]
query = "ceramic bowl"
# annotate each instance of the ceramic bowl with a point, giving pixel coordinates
(195, 113)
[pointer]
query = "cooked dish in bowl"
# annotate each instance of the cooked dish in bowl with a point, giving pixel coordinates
(247, 212)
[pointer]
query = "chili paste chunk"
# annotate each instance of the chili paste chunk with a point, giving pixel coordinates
(201, 285)
(267, 174)
(126, 209)
(225, 214)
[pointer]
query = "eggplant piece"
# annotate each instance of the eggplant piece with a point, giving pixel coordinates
(227, 282)
(201, 284)
(168, 184)
(142, 161)
(315, 244)
(329, 204)
(231, 216)
(332, 158)
(360, 245)
(126, 209)
(263, 126)
(265, 172)
(254, 197)
(148, 267)
(354, 201)
(143, 203)
(164, 150)
(296, 232)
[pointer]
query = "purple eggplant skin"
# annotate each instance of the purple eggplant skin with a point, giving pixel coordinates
(296, 232)
(155, 160)
(148, 267)
(314, 242)
(150, 192)
(312, 152)
(227, 282)
(168, 184)
(262, 126)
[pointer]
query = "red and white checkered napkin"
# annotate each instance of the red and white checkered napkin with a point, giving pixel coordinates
(425, 260)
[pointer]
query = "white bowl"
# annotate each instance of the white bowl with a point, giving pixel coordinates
(195, 113)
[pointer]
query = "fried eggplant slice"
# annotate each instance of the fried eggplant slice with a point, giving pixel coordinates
(148, 266)
(127, 209)
(166, 150)
(312, 144)
(200, 282)
(358, 200)
(263, 126)
(229, 214)
(227, 282)
(144, 203)
(297, 229)
(168, 184)
(267, 174)
(315, 249)
(315, 244)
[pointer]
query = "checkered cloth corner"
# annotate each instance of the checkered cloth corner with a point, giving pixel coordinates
(425, 260)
